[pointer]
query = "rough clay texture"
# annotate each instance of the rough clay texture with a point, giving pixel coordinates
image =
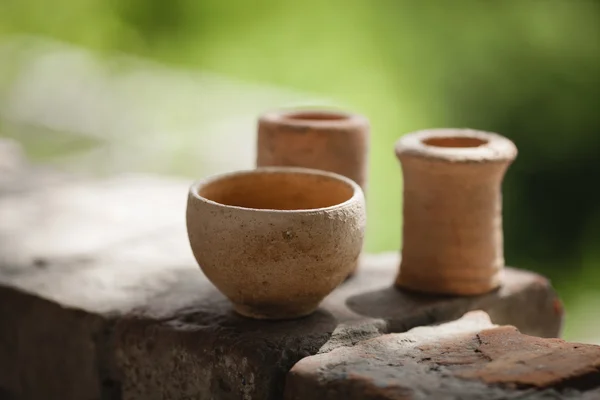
(280, 258)
(326, 140)
(464, 359)
(452, 210)
(100, 298)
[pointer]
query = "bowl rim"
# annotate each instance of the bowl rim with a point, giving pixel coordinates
(357, 193)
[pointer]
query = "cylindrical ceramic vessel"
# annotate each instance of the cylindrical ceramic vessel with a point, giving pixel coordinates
(276, 240)
(452, 217)
(326, 140)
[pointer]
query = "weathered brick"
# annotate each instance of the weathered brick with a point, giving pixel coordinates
(465, 359)
(526, 361)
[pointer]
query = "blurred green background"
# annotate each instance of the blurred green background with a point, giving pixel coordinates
(527, 69)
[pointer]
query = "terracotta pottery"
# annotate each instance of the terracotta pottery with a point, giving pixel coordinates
(276, 240)
(320, 139)
(326, 140)
(452, 233)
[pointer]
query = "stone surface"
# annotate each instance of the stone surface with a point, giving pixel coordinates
(100, 298)
(465, 359)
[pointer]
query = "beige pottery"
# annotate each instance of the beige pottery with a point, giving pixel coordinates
(276, 240)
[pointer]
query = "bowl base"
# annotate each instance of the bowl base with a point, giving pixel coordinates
(273, 313)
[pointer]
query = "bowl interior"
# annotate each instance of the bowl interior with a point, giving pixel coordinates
(278, 190)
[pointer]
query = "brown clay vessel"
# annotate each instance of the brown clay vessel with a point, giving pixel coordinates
(326, 140)
(452, 217)
(276, 240)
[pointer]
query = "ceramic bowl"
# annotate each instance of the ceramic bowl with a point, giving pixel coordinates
(276, 240)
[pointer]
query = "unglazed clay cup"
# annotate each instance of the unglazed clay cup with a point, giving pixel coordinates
(452, 216)
(276, 240)
(328, 140)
